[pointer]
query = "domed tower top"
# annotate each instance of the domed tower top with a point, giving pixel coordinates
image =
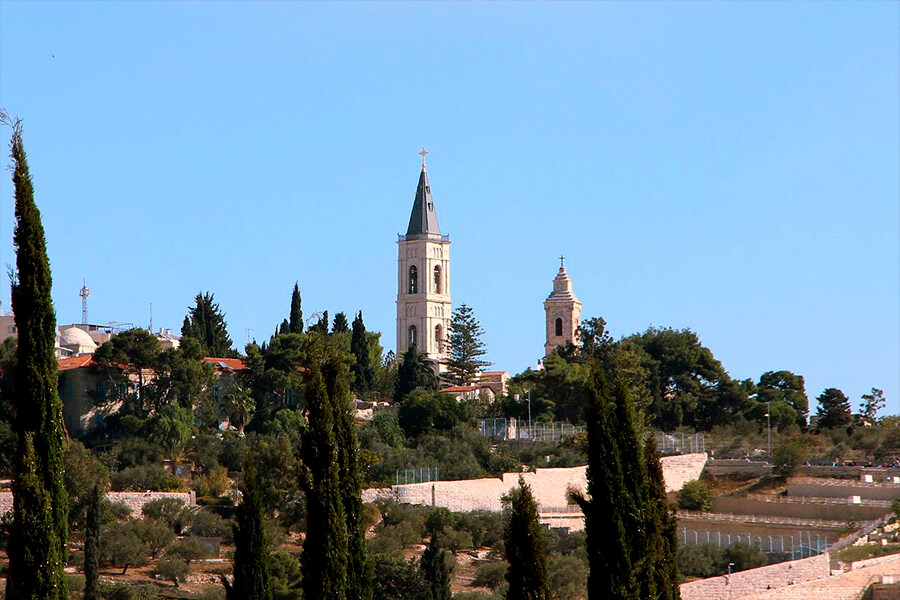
(562, 309)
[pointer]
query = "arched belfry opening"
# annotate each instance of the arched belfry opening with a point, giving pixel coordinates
(437, 279)
(559, 326)
(413, 280)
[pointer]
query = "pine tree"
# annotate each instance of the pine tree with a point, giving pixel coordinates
(662, 532)
(359, 569)
(92, 547)
(437, 569)
(205, 322)
(296, 322)
(37, 546)
(284, 327)
(324, 559)
(363, 373)
(340, 325)
(528, 573)
(466, 347)
(834, 409)
(252, 580)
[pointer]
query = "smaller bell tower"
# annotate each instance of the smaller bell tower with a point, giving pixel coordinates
(562, 309)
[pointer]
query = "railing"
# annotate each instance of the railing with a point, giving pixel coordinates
(797, 547)
(419, 475)
(691, 515)
(680, 443)
(513, 429)
(437, 237)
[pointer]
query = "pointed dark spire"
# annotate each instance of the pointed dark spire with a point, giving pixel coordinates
(423, 220)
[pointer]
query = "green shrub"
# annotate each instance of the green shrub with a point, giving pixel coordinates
(171, 511)
(172, 569)
(789, 456)
(209, 524)
(701, 560)
(152, 478)
(491, 574)
(694, 496)
(187, 549)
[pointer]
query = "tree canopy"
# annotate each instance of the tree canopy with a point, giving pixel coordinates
(465, 346)
(205, 322)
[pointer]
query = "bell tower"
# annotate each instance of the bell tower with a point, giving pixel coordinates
(423, 279)
(563, 311)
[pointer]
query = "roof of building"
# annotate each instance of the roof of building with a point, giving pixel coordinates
(74, 362)
(458, 389)
(226, 364)
(73, 336)
(423, 219)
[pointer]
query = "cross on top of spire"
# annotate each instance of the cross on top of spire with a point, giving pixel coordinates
(423, 152)
(562, 259)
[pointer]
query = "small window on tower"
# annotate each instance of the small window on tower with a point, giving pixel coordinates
(413, 280)
(437, 279)
(413, 336)
(439, 337)
(559, 326)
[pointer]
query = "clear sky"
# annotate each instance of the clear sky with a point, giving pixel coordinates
(727, 167)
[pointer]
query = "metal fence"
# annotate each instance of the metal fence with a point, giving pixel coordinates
(513, 429)
(420, 475)
(680, 443)
(803, 544)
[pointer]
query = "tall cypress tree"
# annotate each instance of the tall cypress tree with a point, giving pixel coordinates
(437, 569)
(324, 559)
(37, 546)
(92, 546)
(252, 580)
(205, 322)
(296, 316)
(359, 569)
(363, 372)
(662, 531)
(608, 548)
(527, 574)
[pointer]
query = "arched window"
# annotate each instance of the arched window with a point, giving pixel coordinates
(439, 337)
(437, 279)
(413, 280)
(413, 336)
(559, 326)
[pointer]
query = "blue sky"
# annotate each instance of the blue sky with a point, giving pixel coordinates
(727, 167)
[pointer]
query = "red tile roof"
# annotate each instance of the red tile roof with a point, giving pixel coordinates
(74, 362)
(453, 389)
(226, 364)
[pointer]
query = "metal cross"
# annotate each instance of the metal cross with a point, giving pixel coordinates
(561, 259)
(423, 152)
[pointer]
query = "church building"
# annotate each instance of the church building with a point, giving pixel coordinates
(423, 279)
(562, 310)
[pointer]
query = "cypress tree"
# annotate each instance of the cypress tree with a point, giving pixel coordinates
(37, 546)
(527, 574)
(284, 328)
(662, 531)
(324, 560)
(252, 580)
(609, 553)
(340, 325)
(359, 569)
(296, 316)
(92, 547)
(437, 569)
(363, 372)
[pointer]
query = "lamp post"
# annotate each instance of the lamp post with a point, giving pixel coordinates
(769, 426)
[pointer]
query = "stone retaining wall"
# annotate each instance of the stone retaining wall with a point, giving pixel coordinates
(809, 510)
(866, 491)
(549, 486)
(754, 581)
(133, 500)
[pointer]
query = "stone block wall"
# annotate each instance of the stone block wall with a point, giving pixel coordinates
(133, 500)
(549, 486)
(755, 581)
(866, 491)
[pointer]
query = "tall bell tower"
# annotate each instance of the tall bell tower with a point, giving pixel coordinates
(423, 279)
(563, 311)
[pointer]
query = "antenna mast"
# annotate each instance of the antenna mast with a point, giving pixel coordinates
(85, 292)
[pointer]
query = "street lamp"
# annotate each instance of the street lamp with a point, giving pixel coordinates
(769, 426)
(528, 398)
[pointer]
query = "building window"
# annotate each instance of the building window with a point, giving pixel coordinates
(413, 336)
(439, 337)
(559, 326)
(413, 280)
(437, 279)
